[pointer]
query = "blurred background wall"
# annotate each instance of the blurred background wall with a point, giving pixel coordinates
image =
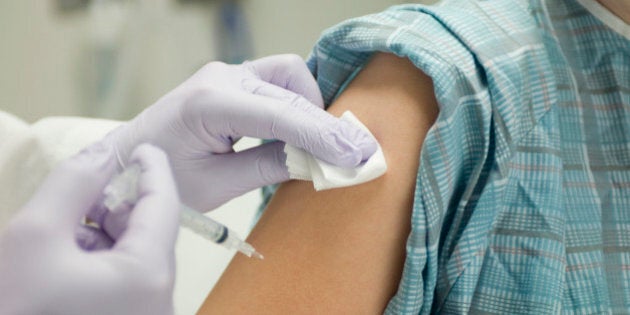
(111, 58)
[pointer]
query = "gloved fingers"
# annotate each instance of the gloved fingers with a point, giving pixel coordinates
(233, 174)
(73, 188)
(294, 121)
(288, 72)
(262, 88)
(115, 223)
(112, 222)
(256, 167)
(153, 223)
(98, 212)
(329, 138)
(91, 239)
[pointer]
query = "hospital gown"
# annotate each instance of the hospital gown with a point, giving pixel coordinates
(522, 200)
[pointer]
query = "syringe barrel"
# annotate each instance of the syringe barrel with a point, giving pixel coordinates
(203, 225)
(123, 190)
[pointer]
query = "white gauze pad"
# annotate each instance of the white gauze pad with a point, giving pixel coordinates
(304, 166)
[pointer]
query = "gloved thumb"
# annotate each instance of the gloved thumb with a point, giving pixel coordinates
(154, 221)
(71, 189)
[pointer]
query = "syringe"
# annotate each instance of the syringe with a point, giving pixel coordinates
(123, 190)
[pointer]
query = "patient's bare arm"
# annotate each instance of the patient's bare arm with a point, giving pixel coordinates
(340, 251)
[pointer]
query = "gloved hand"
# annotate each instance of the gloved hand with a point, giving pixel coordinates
(44, 269)
(197, 123)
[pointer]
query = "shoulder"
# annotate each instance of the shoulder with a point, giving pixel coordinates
(488, 50)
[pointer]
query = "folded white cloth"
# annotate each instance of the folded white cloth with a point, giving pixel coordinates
(304, 166)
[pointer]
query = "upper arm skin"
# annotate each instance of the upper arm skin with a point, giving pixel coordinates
(340, 251)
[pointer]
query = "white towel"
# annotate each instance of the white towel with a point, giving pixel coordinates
(304, 166)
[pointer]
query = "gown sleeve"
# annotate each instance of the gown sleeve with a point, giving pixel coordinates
(28, 152)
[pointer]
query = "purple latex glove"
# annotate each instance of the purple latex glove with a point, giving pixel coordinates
(271, 98)
(44, 269)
